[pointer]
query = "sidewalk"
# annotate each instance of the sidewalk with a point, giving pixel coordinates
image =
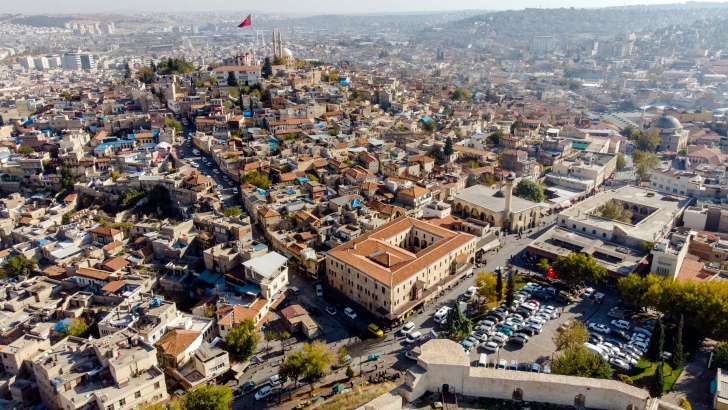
(694, 381)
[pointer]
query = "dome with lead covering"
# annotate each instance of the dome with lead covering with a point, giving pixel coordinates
(667, 123)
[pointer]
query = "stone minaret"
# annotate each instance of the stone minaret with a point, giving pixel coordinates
(280, 44)
(274, 44)
(507, 208)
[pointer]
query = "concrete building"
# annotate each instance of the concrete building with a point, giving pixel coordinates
(398, 266)
(498, 207)
(245, 74)
(668, 255)
(616, 245)
(584, 172)
(78, 61)
(116, 372)
(542, 44)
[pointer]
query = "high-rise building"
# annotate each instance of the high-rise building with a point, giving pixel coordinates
(542, 44)
(41, 63)
(78, 61)
(26, 62)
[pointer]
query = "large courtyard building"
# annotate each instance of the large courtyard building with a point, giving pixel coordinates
(615, 244)
(400, 265)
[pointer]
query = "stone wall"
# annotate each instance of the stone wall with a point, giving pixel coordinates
(443, 362)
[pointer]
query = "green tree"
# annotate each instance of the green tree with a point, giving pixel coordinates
(25, 150)
(657, 342)
(487, 282)
(621, 162)
(267, 69)
(317, 357)
(720, 356)
(242, 341)
(543, 264)
(499, 285)
(614, 210)
(349, 372)
(529, 190)
(79, 329)
(153, 66)
(574, 336)
(19, 266)
(473, 164)
(495, 137)
(355, 95)
(580, 362)
(461, 94)
(646, 141)
(627, 131)
(66, 218)
(172, 123)
(210, 310)
(348, 163)
(578, 267)
(448, 150)
(293, 367)
(129, 198)
(213, 81)
(233, 211)
(644, 162)
(231, 80)
(429, 125)
(66, 95)
(488, 179)
(257, 179)
(657, 383)
(457, 324)
(510, 289)
(678, 354)
(268, 337)
(127, 70)
(208, 397)
(115, 174)
(436, 153)
(146, 75)
(282, 337)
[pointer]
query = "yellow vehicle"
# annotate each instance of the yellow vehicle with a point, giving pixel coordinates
(375, 330)
(566, 295)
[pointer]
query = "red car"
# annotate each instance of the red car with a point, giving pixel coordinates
(534, 301)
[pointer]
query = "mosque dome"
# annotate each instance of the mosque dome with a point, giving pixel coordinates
(286, 52)
(667, 123)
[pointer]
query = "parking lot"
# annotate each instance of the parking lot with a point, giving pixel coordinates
(541, 348)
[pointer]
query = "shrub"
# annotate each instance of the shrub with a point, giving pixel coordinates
(684, 403)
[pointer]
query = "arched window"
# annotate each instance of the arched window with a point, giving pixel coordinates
(517, 394)
(580, 401)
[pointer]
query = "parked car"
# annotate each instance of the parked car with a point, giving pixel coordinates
(491, 346)
(502, 364)
(413, 337)
(621, 324)
(246, 387)
(375, 330)
(331, 310)
(514, 365)
(350, 312)
(535, 368)
(407, 328)
(620, 364)
(588, 292)
(600, 328)
(519, 339)
(319, 290)
(546, 369)
(528, 331)
(265, 391)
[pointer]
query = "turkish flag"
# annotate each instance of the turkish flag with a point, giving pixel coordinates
(247, 22)
(551, 273)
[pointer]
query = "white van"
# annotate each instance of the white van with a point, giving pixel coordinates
(441, 314)
(196, 151)
(596, 350)
(483, 360)
(274, 380)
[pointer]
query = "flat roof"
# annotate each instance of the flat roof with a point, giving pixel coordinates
(267, 264)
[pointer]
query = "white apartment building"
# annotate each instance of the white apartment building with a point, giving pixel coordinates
(245, 74)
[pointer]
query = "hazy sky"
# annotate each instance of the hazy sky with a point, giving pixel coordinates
(295, 6)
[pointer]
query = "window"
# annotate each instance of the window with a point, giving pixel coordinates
(122, 402)
(583, 228)
(594, 231)
(573, 226)
(664, 261)
(137, 395)
(604, 235)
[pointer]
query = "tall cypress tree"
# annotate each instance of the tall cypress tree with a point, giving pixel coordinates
(510, 289)
(127, 70)
(657, 342)
(499, 286)
(678, 354)
(657, 384)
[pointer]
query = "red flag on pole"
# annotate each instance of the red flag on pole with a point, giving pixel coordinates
(247, 22)
(551, 273)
